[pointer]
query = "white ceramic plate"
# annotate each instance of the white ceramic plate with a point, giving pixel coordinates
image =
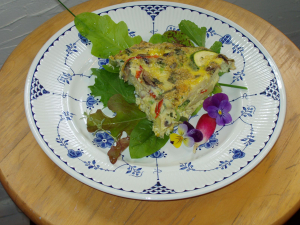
(57, 95)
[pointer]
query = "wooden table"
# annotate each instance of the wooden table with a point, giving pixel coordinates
(269, 194)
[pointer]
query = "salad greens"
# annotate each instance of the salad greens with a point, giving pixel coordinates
(196, 34)
(171, 36)
(128, 115)
(108, 84)
(157, 38)
(115, 151)
(111, 69)
(108, 38)
(178, 37)
(143, 141)
(216, 47)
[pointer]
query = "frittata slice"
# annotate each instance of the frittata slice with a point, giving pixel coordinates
(170, 80)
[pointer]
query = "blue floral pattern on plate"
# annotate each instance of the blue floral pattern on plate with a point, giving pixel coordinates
(103, 140)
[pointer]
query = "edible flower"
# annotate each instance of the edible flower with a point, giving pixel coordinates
(218, 107)
(186, 134)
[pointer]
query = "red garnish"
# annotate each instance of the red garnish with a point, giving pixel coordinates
(203, 91)
(115, 151)
(158, 108)
(152, 94)
(207, 126)
(138, 72)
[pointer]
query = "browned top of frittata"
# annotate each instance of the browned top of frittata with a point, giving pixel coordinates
(166, 68)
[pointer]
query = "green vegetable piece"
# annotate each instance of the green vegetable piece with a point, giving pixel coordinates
(111, 69)
(127, 117)
(108, 84)
(177, 37)
(197, 110)
(177, 115)
(157, 39)
(233, 86)
(196, 34)
(182, 119)
(143, 141)
(202, 57)
(217, 89)
(184, 105)
(107, 37)
(112, 66)
(216, 47)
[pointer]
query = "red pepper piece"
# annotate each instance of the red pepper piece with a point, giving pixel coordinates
(152, 94)
(158, 108)
(138, 72)
(203, 91)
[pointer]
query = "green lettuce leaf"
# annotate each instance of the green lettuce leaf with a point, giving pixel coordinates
(172, 36)
(157, 39)
(111, 69)
(196, 34)
(216, 47)
(108, 38)
(108, 84)
(127, 117)
(143, 141)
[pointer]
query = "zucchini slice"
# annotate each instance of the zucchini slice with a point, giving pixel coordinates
(202, 57)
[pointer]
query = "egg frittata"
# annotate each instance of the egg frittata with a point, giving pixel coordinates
(170, 80)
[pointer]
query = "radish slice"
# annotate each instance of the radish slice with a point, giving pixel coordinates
(207, 126)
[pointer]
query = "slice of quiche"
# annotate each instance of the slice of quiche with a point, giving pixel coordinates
(170, 80)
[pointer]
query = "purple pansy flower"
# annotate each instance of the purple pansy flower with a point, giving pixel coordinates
(194, 133)
(186, 134)
(218, 107)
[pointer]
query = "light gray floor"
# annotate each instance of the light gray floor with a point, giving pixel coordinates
(18, 19)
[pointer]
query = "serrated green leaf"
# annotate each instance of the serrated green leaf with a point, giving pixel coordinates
(107, 37)
(108, 84)
(196, 34)
(127, 117)
(143, 141)
(216, 47)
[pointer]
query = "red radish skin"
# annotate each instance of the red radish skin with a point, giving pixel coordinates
(207, 126)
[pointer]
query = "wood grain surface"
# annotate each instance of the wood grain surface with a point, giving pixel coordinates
(269, 194)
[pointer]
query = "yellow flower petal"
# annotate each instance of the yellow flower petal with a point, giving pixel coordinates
(176, 140)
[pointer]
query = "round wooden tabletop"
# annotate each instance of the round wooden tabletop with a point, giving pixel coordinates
(268, 194)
